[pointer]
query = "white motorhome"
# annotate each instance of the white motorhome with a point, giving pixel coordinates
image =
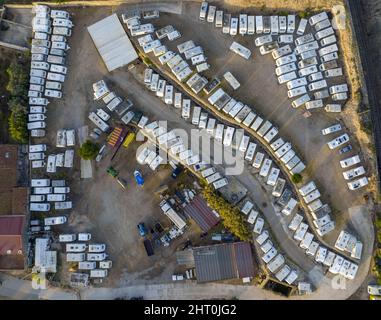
(242, 24)
(302, 27)
(318, 18)
(203, 10)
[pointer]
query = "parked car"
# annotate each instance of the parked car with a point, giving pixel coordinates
(142, 229)
(345, 149)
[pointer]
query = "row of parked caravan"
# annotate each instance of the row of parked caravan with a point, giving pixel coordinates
(335, 263)
(274, 261)
(90, 257)
(303, 76)
(113, 103)
(45, 191)
(353, 173)
(299, 67)
(48, 71)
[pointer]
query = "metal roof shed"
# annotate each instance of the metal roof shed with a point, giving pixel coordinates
(112, 42)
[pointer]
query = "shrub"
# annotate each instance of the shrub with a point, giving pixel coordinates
(18, 124)
(18, 80)
(88, 150)
(297, 178)
(232, 218)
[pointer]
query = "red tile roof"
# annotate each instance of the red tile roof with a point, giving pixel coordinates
(199, 211)
(11, 234)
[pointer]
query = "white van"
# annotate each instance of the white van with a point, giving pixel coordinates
(56, 77)
(40, 65)
(350, 161)
(55, 59)
(98, 273)
(59, 14)
(97, 248)
(307, 62)
(328, 40)
(339, 141)
(296, 83)
(42, 207)
(314, 104)
(59, 22)
(56, 197)
(357, 184)
(324, 33)
(302, 27)
(36, 117)
(340, 96)
(322, 25)
(38, 73)
(53, 93)
(317, 85)
(286, 38)
(301, 101)
(309, 37)
(40, 182)
(308, 54)
(37, 148)
(34, 94)
(333, 108)
(87, 265)
(315, 76)
(67, 237)
(306, 47)
(219, 18)
(203, 10)
(297, 92)
(307, 71)
(326, 50)
(287, 77)
(36, 156)
(36, 125)
(338, 88)
(282, 51)
(337, 72)
(63, 31)
(317, 18)
(285, 60)
(260, 41)
(37, 80)
(242, 24)
(354, 173)
(258, 24)
(53, 85)
(58, 68)
(37, 198)
(329, 57)
(36, 87)
(226, 23)
(285, 69)
(233, 26)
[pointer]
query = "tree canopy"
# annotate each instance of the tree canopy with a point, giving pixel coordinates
(232, 218)
(88, 150)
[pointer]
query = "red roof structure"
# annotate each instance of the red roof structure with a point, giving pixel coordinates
(11, 231)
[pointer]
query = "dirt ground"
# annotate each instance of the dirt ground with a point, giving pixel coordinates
(111, 213)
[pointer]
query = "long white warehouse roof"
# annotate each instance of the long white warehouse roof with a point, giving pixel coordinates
(112, 42)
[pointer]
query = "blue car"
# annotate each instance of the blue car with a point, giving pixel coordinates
(142, 229)
(139, 178)
(346, 149)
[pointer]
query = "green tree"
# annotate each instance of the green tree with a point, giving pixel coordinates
(18, 124)
(232, 218)
(88, 150)
(18, 80)
(297, 178)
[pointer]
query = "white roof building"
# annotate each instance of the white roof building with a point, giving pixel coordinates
(112, 42)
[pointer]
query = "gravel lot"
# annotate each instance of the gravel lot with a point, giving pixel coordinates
(112, 213)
